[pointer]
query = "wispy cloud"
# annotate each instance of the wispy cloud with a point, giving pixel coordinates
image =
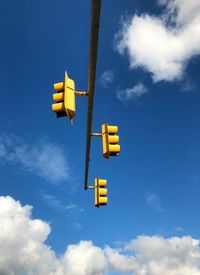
(76, 225)
(72, 210)
(107, 78)
(187, 86)
(154, 202)
(55, 203)
(132, 93)
(42, 157)
(179, 229)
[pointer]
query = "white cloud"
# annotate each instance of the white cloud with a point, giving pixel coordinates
(163, 45)
(22, 240)
(132, 93)
(156, 255)
(23, 250)
(154, 202)
(107, 78)
(42, 158)
(84, 258)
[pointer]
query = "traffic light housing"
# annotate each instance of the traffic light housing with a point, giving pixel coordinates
(64, 98)
(100, 192)
(110, 141)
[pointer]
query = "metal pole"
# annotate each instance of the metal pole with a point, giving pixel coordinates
(94, 35)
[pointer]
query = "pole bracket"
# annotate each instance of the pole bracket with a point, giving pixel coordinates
(81, 93)
(96, 135)
(91, 187)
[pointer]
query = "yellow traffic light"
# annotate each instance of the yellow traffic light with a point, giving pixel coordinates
(64, 98)
(100, 192)
(110, 140)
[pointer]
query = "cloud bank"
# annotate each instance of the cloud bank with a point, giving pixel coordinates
(43, 158)
(23, 250)
(162, 45)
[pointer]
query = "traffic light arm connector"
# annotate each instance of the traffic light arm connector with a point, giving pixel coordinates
(96, 135)
(91, 187)
(81, 93)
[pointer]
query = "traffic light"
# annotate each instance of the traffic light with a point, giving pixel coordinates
(110, 140)
(64, 98)
(100, 192)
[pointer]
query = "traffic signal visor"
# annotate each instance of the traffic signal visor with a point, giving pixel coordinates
(110, 141)
(100, 192)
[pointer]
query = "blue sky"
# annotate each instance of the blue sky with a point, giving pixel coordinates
(147, 83)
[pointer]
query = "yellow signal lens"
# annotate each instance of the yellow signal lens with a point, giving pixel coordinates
(113, 138)
(114, 148)
(103, 200)
(58, 97)
(102, 182)
(58, 107)
(112, 129)
(102, 191)
(58, 86)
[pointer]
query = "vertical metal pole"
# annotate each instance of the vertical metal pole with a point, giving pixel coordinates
(94, 36)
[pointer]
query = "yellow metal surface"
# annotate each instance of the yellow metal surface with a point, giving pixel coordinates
(100, 192)
(104, 128)
(69, 83)
(58, 107)
(58, 86)
(105, 140)
(96, 192)
(69, 96)
(105, 145)
(58, 97)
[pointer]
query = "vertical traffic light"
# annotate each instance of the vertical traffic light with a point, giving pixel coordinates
(100, 192)
(64, 98)
(110, 141)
